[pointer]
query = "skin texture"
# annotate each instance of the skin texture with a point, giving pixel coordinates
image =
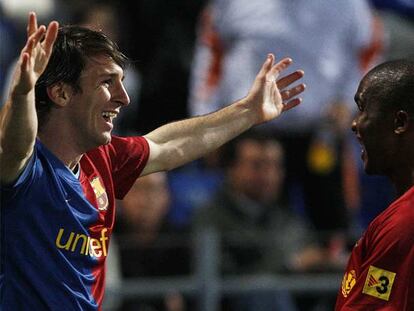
(18, 120)
(385, 132)
(80, 113)
(374, 134)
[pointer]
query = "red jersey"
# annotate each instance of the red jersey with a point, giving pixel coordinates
(380, 272)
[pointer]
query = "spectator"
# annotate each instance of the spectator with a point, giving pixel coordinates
(397, 16)
(192, 186)
(260, 234)
(148, 245)
(327, 38)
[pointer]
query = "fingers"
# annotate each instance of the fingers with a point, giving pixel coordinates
(33, 40)
(24, 62)
(288, 94)
(274, 71)
(51, 34)
(31, 24)
(267, 65)
(289, 79)
(38, 35)
(292, 103)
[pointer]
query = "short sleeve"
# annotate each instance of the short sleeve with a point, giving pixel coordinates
(385, 281)
(22, 182)
(128, 156)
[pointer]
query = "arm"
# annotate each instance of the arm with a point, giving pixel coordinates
(18, 119)
(177, 143)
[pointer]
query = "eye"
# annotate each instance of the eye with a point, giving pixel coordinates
(360, 106)
(107, 83)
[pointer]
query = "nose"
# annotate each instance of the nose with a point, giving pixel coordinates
(354, 125)
(121, 95)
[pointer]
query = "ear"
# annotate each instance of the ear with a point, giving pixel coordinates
(60, 93)
(401, 122)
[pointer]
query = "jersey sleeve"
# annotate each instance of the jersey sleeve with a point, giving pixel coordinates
(128, 155)
(22, 182)
(385, 277)
(389, 266)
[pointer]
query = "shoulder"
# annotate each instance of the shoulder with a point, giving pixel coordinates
(393, 227)
(400, 214)
(121, 147)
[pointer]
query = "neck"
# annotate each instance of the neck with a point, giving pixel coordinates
(62, 148)
(402, 182)
(402, 186)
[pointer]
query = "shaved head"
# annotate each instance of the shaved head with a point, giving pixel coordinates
(390, 86)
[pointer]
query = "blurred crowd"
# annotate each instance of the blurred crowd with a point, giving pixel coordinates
(288, 197)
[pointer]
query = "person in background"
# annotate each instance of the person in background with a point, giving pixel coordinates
(260, 232)
(331, 39)
(149, 246)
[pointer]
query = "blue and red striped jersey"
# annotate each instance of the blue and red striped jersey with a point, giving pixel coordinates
(55, 227)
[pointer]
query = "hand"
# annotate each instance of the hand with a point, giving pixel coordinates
(269, 96)
(34, 56)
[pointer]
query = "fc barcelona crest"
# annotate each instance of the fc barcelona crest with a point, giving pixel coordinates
(100, 193)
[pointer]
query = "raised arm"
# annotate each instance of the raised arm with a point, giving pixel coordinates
(18, 118)
(179, 142)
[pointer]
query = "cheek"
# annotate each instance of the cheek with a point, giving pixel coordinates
(104, 93)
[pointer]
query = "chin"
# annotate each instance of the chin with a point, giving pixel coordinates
(106, 142)
(370, 170)
(106, 138)
(103, 139)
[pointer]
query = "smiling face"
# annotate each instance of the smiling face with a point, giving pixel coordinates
(90, 111)
(374, 130)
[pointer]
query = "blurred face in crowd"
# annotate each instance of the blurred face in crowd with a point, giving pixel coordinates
(146, 204)
(257, 171)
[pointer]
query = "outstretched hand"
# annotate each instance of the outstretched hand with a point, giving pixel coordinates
(269, 97)
(35, 55)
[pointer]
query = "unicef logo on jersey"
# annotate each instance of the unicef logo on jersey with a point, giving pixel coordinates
(83, 244)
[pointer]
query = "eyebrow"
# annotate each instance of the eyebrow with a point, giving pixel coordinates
(358, 98)
(111, 75)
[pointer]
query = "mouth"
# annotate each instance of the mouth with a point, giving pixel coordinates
(109, 116)
(363, 151)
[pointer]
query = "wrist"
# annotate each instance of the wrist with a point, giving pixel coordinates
(247, 112)
(18, 95)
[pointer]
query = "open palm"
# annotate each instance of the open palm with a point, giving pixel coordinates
(270, 95)
(35, 55)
